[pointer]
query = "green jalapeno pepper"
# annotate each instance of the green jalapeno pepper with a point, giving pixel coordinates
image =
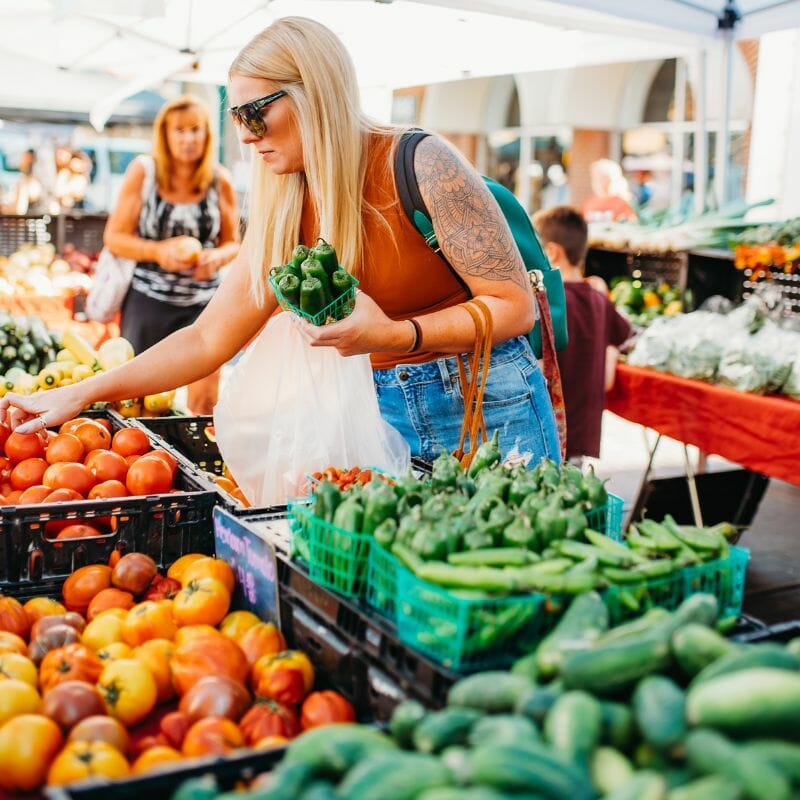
(493, 484)
(326, 255)
(380, 505)
(521, 486)
(547, 474)
(446, 470)
(486, 455)
(326, 500)
(520, 533)
(341, 283)
(385, 533)
(532, 505)
(289, 286)
(499, 518)
(407, 482)
(349, 516)
(313, 269)
(551, 520)
(576, 523)
(478, 540)
(430, 543)
(596, 493)
(312, 296)
(299, 255)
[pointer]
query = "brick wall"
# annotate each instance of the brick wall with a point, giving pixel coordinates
(587, 146)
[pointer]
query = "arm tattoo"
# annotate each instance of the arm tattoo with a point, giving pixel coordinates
(471, 230)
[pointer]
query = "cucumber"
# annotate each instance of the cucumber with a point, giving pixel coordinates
(528, 768)
(573, 727)
(659, 711)
(288, 781)
(700, 608)
(646, 757)
(442, 728)
(318, 790)
(201, 788)
(503, 729)
(616, 724)
(710, 753)
(695, 646)
(635, 627)
(332, 750)
(615, 667)
(643, 785)
(756, 655)
(492, 692)
(474, 793)
(749, 703)
(393, 776)
(582, 623)
(609, 769)
(526, 667)
(537, 703)
(712, 787)
(405, 718)
(783, 755)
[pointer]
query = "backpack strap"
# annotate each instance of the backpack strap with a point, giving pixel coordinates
(405, 178)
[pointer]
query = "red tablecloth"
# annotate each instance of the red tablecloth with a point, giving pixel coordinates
(760, 433)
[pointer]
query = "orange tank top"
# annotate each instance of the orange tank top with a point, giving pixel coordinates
(404, 277)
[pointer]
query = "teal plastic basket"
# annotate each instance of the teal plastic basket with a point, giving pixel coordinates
(724, 578)
(608, 518)
(338, 309)
(337, 559)
(463, 633)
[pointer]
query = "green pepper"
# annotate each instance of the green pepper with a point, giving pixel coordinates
(430, 543)
(288, 269)
(521, 486)
(520, 533)
(326, 500)
(499, 518)
(547, 474)
(596, 494)
(551, 521)
(380, 505)
(495, 484)
(483, 507)
(312, 296)
(532, 505)
(478, 540)
(576, 523)
(408, 501)
(385, 533)
(349, 516)
(446, 470)
(409, 524)
(486, 455)
(289, 287)
(459, 527)
(407, 557)
(299, 255)
(326, 255)
(341, 283)
(407, 482)
(466, 485)
(313, 269)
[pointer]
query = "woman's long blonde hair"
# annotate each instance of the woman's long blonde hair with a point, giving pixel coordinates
(310, 63)
(204, 173)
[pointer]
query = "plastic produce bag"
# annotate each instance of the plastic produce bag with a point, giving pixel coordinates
(289, 409)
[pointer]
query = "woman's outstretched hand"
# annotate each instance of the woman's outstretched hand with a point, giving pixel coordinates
(35, 412)
(366, 330)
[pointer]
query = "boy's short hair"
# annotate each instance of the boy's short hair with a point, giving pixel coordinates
(565, 226)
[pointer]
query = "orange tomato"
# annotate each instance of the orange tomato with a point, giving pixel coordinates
(62, 496)
(28, 472)
(212, 736)
(149, 475)
(69, 476)
(114, 652)
(101, 728)
(12, 643)
(104, 629)
(17, 697)
(201, 601)
(81, 760)
(238, 622)
(148, 620)
(181, 565)
(190, 632)
(155, 758)
(271, 743)
(107, 599)
(129, 690)
(166, 457)
(38, 607)
(130, 442)
(207, 655)
(93, 436)
(20, 446)
(70, 425)
(13, 617)
(211, 568)
(107, 490)
(263, 639)
(17, 666)
(325, 708)
(28, 744)
(34, 494)
(268, 718)
(106, 465)
(12, 498)
(78, 532)
(64, 447)
(72, 662)
(286, 677)
(156, 655)
(82, 586)
(5, 432)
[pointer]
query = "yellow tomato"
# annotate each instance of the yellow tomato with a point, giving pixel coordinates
(202, 601)
(156, 655)
(17, 697)
(81, 760)
(14, 665)
(155, 758)
(114, 652)
(179, 567)
(237, 622)
(129, 690)
(28, 744)
(103, 630)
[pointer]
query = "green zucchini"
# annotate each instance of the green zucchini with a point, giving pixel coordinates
(644, 785)
(526, 768)
(494, 692)
(753, 702)
(405, 718)
(710, 753)
(582, 624)
(573, 727)
(712, 787)
(393, 776)
(695, 646)
(21, 327)
(616, 721)
(609, 769)
(756, 655)
(783, 755)
(440, 729)
(537, 703)
(659, 710)
(503, 729)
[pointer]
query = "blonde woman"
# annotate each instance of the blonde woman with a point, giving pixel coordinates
(189, 199)
(322, 169)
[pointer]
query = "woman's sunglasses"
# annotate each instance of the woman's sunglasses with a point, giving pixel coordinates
(249, 115)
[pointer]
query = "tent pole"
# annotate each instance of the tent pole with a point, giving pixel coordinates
(722, 154)
(700, 133)
(678, 137)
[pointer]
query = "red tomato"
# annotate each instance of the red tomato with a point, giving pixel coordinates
(149, 475)
(168, 459)
(62, 496)
(20, 446)
(108, 489)
(64, 447)
(93, 436)
(325, 708)
(78, 532)
(28, 472)
(34, 494)
(107, 466)
(130, 442)
(70, 476)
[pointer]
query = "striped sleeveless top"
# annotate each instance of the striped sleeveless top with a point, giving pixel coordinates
(159, 220)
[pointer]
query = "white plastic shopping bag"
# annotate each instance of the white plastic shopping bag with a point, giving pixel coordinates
(289, 409)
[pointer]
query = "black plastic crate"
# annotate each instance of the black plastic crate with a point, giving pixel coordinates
(161, 785)
(164, 527)
(779, 633)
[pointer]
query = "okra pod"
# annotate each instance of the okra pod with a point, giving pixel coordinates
(493, 557)
(580, 551)
(487, 579)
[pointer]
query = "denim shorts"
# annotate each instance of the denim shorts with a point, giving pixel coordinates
(425, 404)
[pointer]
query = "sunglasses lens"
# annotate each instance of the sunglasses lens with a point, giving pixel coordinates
(253, 120)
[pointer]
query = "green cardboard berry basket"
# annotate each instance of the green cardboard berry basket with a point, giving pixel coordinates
(336, 310)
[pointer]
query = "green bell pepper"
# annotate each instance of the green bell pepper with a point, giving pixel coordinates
(430, 543)
(478, 540)
(380, 505)
(349, 516)
(446, 471)
(486, 455)
(551, 520)
(326, 500)
(385, 533)
(520, 533)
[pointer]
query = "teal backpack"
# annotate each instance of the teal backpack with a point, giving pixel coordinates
(521, 229)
